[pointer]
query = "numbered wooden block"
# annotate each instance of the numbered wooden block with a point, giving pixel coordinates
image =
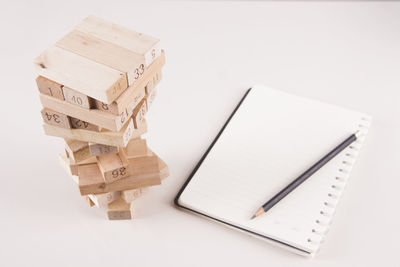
(119, 210)
(79, 124)
(81, 74)
(99, 149)
(137, 148)
(76, 98)
(138, 113)
(144, 45)
(113, 166)
(93, 116)
(77, 151)
(55, 118)
(111, 108)
(102, 200)
(136, 97)
(150, 98)
(143, 174)
(105, 137)
(153, 82)
(50, 88)
(129, 99)
(130, 63)
(130, 195)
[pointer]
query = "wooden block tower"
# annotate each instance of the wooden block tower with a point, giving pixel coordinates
(96, 85)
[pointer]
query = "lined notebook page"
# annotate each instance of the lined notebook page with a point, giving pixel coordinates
(270, 141)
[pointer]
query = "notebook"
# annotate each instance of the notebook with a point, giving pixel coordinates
(268, 141)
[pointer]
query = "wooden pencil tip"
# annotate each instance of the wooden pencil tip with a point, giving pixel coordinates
(252, 217)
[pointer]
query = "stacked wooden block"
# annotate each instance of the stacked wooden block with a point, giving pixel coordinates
(96, 85)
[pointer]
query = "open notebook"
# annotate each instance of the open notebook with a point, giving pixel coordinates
(270, 139)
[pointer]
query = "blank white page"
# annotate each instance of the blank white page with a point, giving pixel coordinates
(272, 139)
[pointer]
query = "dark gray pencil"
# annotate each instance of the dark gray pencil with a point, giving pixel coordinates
(289, 188)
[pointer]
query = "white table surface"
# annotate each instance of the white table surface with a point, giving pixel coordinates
(342, 53)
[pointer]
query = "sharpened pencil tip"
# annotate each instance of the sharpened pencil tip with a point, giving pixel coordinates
(252, 217)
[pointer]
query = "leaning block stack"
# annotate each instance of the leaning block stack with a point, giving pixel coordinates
(96, 85)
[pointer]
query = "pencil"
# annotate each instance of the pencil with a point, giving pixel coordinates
(304, 176)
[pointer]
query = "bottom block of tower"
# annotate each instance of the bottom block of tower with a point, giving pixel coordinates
(119, 210)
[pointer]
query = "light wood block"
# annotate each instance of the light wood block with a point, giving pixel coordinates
(113, 107)
(150, 98)
(130, 195)
(93, 116)
(72, 168)
(49, 87)
(138, 113)
(153, 82)
(77, 98)
(119, 210)
(128, 62)
(81, 74)
(137, 148)
(99, 149)
(55, 118)
(144, 172)
(76, 150)
(105, 137)
(102, 200)
(113, 166)
(129, 99)
(164, 170)
(79, 124)
(146, 46)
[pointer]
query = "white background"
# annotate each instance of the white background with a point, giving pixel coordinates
(342, 53)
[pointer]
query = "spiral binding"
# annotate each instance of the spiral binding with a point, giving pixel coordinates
(324, 218)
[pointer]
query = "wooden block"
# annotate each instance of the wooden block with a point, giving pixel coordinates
(150, 98)
(144, 172)
(105, 137)
(113, 166)
(49, 87)
(144, 165)
(153, 83)
(146, 46)
(77, 98)
(72, 168)
(132, 194)
(81, 74)
(113, 107)
(77, 151)
(138, 113)
(164, 171)
(93, 116)
(129, 99)
(55, 118)
(102, 200)
(128, 62)
(99, 149)
(119, 210)
(79, 124)
(137, 148)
